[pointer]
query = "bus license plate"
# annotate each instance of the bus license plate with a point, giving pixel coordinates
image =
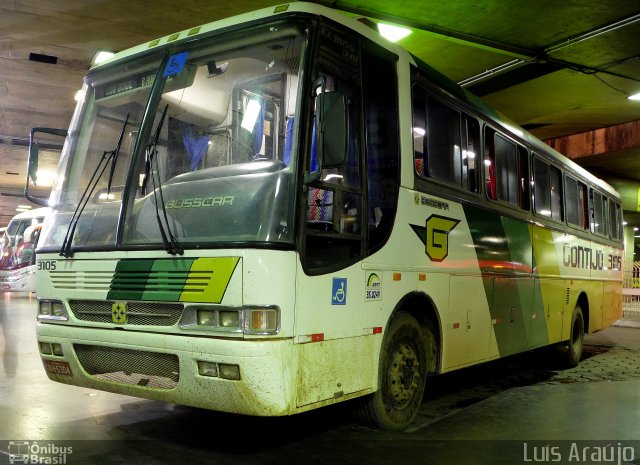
(57, 367)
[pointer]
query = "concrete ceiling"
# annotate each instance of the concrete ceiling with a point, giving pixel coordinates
(556, 68)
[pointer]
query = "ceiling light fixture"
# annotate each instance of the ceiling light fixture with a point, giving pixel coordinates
(393, 33)
(634, 96)
(101, 56)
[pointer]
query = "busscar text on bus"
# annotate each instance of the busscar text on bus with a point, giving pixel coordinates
(281, 210)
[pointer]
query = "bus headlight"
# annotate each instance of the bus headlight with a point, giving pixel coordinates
(255, 320)
(262, 320)
(52, 310)
(206, 317)
(229, 319)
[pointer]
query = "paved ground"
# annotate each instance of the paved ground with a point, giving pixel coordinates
(493, 413)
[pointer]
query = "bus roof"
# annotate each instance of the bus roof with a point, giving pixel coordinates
(348, 21)
(35, 213)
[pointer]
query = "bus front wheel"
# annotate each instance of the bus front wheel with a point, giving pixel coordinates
(403, 370)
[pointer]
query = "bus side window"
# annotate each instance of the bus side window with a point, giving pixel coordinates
(506, 170)
(489, 169)
(572, 204)
(419, 130)
(471, 147)
(445, 142)
(598, 223)
(614, 222)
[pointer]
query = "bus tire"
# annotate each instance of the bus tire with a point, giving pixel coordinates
(402, 375)
(572, 349)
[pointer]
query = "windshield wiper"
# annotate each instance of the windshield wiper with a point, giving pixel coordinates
(107, 156)
(169, 241)
(116, 152)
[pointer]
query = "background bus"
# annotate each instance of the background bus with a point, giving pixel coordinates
(17, 251)
(281, 211)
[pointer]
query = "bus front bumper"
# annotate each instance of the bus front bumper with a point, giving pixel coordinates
(186, 370)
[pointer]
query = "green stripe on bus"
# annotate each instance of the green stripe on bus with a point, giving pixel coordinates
(167, 280)
(129, 279)
(151, 279)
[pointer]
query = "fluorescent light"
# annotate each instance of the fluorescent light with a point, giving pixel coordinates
(634, 96)
(28, 207)
(102, 56)
(45, 178)
(21, 210)
(251, 115)
(393, 33)
(419, 132)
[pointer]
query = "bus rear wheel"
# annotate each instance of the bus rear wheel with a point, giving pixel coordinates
(402, 376)
(572, 349)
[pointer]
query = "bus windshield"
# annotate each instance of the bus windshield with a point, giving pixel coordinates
(196, 145)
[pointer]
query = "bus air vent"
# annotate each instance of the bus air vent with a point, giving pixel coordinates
(138, 313)
(125, 366)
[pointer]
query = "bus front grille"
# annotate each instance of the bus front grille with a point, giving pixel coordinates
(125, 366)
(138, 313)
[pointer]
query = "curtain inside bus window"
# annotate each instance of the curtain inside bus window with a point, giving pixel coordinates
(288, 140)
(196, 147)
(541, 188)
(419, 129)
(489, 164)
(572, 212)
(583, 206)
(506, 169)
(598, 214)
(471, 148)
(613, 219)
(555, 186)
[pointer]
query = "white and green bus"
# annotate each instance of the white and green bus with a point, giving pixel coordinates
(281, 210)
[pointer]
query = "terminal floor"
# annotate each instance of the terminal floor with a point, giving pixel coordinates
(499, 412)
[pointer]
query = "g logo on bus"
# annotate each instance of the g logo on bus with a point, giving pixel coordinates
(437, 243)
(119, 313)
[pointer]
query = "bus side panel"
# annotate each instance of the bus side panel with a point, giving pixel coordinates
(609, 269)
(467, 329)
(338, 331)
(612, 303)
(331, 369)
(551, 284)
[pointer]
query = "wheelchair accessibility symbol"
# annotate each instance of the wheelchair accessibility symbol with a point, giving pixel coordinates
(339, 291)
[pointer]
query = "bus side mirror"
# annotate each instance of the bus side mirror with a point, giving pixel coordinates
(331, 133)
(34, 152)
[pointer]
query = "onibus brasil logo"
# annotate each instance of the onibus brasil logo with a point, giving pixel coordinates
(38, 452)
